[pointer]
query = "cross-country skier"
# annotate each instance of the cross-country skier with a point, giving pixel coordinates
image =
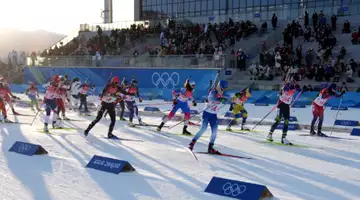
(318, 107)
(121, 100)
(61, 97)
(180, 101)
(286, 95)
(83, 93)
(237, 108)
(108, 98)
(131, 104)
(32, 92)
(50, 103)
(3, 93)
(9, 95)
(215, 98)
(74, 92)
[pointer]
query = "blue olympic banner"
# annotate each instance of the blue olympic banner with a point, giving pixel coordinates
(291, 127)
(339, 108)
(340, 122)
(109, 165)
(27, 148)
(152, 109)
(152, 82)
(291, 119)
(355, 132)
(222, 121)
(237, 189)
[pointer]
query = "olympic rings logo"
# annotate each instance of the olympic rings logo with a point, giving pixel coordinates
(24, 148)
(165, 79)
(233, 189)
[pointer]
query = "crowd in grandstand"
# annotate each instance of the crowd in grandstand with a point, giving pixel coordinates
(321, 64)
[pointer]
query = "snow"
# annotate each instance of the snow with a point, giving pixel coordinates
(166, 170)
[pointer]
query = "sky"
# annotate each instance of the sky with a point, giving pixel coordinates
(59, 16)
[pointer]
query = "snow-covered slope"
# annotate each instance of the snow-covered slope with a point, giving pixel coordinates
(329, 169)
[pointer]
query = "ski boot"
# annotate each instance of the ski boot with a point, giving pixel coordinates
(320, 134)
(111, 136)
(269, 137)
(185, 131)
(285, 141)
(211, 149)
(192, 144)
(6, 120)
(46, 129)
(142, 123)
(160, 126)
(244, 128)
(122, 119)
(131, 124)
(56, 125)
(228, 128)
(65, 118)
(312, 132)
(86, 132)
(14, 112)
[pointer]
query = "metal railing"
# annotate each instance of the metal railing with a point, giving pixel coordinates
(169, 61)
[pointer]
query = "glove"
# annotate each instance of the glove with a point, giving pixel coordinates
(223, 100)
(342, 93)
(194, 103)
(68, 100)
(140, 99)
(175, 101)
(231, 107)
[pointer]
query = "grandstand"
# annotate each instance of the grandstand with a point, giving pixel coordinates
(176, 39)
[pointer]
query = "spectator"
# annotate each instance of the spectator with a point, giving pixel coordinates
(337, 73)
(278, 62)
(306, 18)
(315, 19)
(309, 58)
(320, 72)
(232, 59)
(253, 71)
(355, 38)
(241, 60)
(346, 28)
(342, 54)
(353, 65)
(267, 73)
(349, 74)
(274, 21)
(333, 22)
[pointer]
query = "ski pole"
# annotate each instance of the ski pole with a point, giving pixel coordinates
(35, 117)
(337, 113)
(266, 116)
(296, 98)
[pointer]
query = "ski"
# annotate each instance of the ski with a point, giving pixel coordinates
(123, 139)
(281, 144)
(193, 124)
(74, 120)
(326, 137)
(150, 125)
(226, 155)
(65, 128)
(24, 115)
(14, 123)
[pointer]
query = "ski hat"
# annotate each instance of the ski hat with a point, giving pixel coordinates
(248, 92)
(115, 79)
(332, 86)
(134, 82)
(56, 78)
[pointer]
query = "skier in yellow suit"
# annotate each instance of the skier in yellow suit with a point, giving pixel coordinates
(237, 107)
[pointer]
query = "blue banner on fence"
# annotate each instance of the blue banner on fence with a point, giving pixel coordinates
(355, 132)
(27, 148)
(237, 189)
(152, 109)
(340, 122)
(339, 108)
(109, 165)
(291, 127)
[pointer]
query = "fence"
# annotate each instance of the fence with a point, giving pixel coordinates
(169, 61)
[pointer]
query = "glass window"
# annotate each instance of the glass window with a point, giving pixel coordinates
(279, 2)
(204, 5)
(271, 2)
(158, 1)
(236, 4)
(164, 8)
(197, 6)
(192, 6)
(257, 2)
(249, 3)
(294, 6)
(216, 4)
(222, 5)
(242, 4)
(210, 4)
(186, 7)
(144, 2)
